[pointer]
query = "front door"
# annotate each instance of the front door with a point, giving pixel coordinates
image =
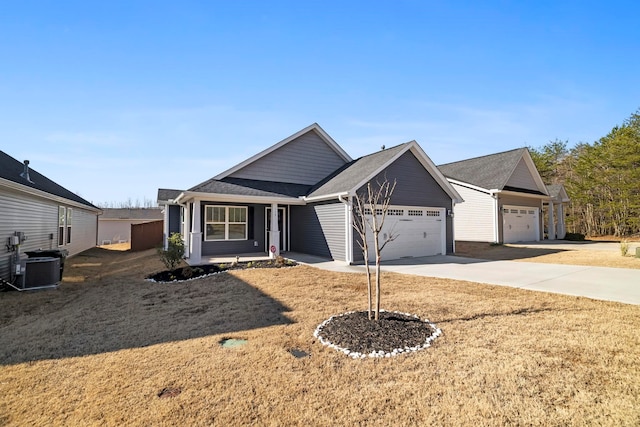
(281, 227)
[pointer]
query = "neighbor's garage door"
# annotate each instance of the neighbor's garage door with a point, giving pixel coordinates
(420, 231)
(520, 224)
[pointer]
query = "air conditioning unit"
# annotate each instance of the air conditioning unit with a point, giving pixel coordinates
(42, 272)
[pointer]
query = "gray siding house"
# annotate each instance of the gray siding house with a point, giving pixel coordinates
(298, 196)
(47, 215)
(505, 199)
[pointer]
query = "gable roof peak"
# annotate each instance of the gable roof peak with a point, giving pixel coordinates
(314, 127)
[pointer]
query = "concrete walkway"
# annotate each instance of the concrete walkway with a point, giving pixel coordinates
(610, 284)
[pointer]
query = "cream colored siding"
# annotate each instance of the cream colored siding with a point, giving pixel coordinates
(37, 218)
(474, 219)
(521, 177)
(305, 160)
(85, 231)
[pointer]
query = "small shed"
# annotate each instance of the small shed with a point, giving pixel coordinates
(114, 225)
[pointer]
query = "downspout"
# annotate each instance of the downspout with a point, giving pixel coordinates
(348, 230)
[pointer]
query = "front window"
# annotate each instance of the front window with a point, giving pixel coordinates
(225, 223)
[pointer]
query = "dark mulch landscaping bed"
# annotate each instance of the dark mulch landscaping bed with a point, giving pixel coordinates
(193, 272)
(395, 333)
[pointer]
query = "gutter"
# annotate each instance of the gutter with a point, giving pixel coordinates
(326, 197)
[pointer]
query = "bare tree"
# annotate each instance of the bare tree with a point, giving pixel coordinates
(370, 212)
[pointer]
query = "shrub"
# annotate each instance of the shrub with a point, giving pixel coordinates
(574, 237)
(624, 247)
(172, 256)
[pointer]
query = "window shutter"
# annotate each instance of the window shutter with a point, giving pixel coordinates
(250, 222)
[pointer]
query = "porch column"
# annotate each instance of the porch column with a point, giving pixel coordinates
(196, 235)
(165, 228)
(551, 228)
(274, 233)
(186, 229)
(561, 228)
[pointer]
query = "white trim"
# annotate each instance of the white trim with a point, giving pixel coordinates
(325, 197)
(496, 218)
(226, 223)
(313, 127)
(237, 198)
(533, 171)
(285, 223)
(519, 194)
(471, 186)
(39, 193)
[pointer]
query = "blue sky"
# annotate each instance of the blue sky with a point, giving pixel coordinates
(116, 99)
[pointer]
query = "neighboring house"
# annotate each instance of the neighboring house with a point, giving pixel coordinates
(114, 225)
(556, 228)
(48, 215)
(504, 199)
(298, 195)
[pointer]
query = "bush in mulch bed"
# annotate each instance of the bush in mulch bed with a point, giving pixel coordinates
(194, 272)
(395, 333)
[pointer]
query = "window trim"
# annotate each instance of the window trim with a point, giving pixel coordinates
(226, 223)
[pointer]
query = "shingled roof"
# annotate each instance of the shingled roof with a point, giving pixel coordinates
(12, 170)
(490, 172)
(350, 175)
(251, 187)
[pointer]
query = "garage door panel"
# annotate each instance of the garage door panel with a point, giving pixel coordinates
(419, 231)
(520, 224)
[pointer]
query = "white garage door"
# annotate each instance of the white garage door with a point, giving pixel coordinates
(420, 231)
(520, 224)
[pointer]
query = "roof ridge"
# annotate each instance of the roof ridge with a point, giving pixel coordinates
(484, 156)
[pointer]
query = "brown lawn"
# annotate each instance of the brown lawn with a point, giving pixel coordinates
(547, 255)
(100, 349)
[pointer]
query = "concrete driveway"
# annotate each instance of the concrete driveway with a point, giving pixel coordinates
(603, 283)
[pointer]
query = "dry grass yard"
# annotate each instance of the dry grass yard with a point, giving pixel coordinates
(548, 255)
(101, 348)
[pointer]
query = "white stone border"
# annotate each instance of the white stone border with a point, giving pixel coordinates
(395, 352)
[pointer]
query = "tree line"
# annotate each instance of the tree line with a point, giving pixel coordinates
(602, 179)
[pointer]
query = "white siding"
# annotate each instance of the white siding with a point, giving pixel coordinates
(521, 177)
(305, 160)
(37, 218)
(116, 230)
(474, 219)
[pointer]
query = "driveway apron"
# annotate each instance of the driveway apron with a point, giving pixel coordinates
(603, 283)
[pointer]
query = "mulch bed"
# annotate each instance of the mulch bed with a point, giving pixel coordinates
(395, 333)
(193, 272)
